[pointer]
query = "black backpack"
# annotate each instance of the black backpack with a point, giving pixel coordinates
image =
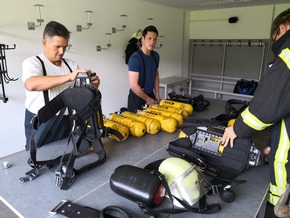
(132, 46)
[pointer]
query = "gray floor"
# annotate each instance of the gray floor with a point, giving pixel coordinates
(36, 198)
(7, 211)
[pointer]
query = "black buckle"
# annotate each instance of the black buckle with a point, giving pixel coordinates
(63, 180)
(31, 176)
(35, 122)
(215, 189)
(72, 210)
(106, 132)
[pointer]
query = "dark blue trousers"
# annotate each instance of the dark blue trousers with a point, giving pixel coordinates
(61, 131)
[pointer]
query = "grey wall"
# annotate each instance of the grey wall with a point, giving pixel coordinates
(229, 58)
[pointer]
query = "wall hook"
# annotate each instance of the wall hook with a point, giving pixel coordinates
(99, 48)
(114, 30)
(69, 45)
(32, 25)
(89, 23)
(150, 19)
(161, 42)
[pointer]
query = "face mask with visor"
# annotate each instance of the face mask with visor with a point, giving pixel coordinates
(185, 180)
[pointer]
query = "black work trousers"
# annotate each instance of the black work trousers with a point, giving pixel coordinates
(136, 103)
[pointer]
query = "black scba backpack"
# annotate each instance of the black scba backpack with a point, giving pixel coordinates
(83, 101)
(133, 45)
(199, 103)
(202, 146)
(200, 143)
(233, 108)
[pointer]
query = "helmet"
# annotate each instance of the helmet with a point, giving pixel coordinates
(184, 180)
(137, 34)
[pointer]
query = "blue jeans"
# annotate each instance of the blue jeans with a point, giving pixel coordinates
(62, 130)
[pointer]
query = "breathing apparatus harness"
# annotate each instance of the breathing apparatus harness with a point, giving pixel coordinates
(83, 102)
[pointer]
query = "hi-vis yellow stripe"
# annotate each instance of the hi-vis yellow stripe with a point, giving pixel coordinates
(280, 161)
(285, 56)
(275, 193)
(253, 121)
(281, 157)
(275, 190)
(273, 199)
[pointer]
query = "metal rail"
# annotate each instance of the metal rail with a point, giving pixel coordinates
(4, 76)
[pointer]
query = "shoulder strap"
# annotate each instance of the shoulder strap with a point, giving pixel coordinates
(67, 65)
(45, 93)
(144, 70)
(73, 210)
(157, 65)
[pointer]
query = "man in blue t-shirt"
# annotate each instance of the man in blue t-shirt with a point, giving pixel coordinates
(143, 72)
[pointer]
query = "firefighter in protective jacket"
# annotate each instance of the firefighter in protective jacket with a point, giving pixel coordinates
(271, 107)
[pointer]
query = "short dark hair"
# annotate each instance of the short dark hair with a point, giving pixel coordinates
(149, 29)
(54, 28)
(282, 18)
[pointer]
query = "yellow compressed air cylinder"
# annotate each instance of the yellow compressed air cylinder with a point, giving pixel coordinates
(182, 112)
(185, 106)
(124, 130)
(152, 125)
(168, 124)
(136, 128)
(178, 117)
